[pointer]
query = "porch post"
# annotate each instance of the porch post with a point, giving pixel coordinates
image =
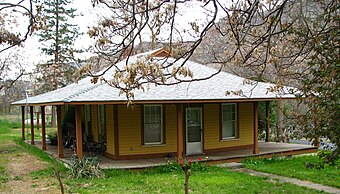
(267, 122)
(32, 125)
(179, 131)
(79, 140)
(256, 146)
(60, 133)
(43, 127)
(23, 123)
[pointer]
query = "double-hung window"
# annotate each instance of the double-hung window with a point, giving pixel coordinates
(153, 124)
(229, 120)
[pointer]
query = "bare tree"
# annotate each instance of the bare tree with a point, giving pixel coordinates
(12, 37)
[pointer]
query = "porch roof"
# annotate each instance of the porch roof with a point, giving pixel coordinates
(212, 89)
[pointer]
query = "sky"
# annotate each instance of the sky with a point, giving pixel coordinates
(189, 12)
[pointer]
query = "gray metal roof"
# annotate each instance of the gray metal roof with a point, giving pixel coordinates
(211, 89)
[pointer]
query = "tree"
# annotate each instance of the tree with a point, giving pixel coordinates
(321, 84)
(57, 37)
(12, 35)
(273, 40)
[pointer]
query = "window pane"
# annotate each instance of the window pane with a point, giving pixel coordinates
(152, 134)
(153, 124)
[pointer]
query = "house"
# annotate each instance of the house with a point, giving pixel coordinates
(188, 118)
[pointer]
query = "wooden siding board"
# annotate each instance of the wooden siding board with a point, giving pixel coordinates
(129, 123)
(211, 127)
(109, 118)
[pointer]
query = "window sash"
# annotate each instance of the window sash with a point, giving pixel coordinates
(153, 124)
(229, 120)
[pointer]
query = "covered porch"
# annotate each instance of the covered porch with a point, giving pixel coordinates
(266, 149)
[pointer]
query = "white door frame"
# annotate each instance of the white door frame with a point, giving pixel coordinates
(193, 148)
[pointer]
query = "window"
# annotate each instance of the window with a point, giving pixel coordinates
(153, 124)
(229, 121)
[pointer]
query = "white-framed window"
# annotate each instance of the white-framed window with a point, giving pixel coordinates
(153, 124)
(229, 120)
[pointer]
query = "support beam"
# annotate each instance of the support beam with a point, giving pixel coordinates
(43, 127)
(32, 124)
(79, 135)
(256, 144)
(60, 133)
(23, 123)
(267, 122)
(179, 131)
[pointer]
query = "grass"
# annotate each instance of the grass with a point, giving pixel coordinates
(212, 180)
(295, 167)
(167, 179)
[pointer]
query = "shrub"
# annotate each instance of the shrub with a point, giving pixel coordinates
(88, 167)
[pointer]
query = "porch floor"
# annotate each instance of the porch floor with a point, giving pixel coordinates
(266, 149)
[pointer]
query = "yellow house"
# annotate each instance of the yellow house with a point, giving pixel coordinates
(188, 118)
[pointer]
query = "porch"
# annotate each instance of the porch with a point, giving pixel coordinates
(266, 149)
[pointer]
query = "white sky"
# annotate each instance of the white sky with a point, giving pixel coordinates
(190, 12)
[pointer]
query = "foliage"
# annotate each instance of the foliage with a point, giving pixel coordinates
(322, 82)
(295, 167)
(52, 135)
(87, 167)
(324, 155)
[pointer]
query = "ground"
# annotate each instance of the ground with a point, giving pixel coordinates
(19, 165)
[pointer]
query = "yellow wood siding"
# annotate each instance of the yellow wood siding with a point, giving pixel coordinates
(212, 127)
(129, 124)
(109, 129)
(94, 122)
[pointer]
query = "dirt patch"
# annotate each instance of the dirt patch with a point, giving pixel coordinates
(18, 166)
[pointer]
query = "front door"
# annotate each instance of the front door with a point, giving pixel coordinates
(194, 131)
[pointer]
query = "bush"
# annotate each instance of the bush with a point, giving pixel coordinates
(88, 167)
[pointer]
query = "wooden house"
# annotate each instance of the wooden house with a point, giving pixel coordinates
(177, 120)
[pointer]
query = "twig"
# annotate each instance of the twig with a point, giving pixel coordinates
(57, 175)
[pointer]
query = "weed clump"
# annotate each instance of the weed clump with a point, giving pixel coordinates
(88, 167)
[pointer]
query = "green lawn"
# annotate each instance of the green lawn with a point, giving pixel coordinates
(295, 167)
(212, 180)
(157, 180)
